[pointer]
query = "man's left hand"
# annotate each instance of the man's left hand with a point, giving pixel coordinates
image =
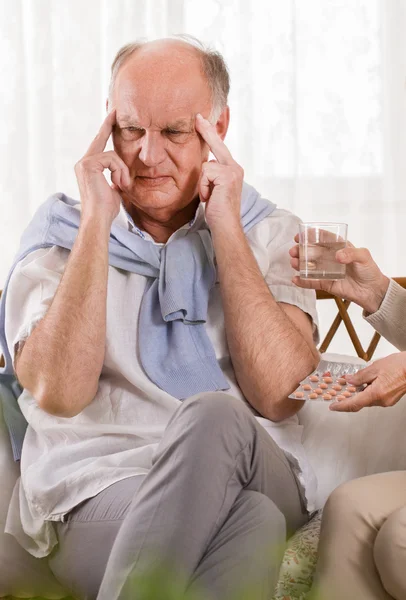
(221, 180)
(386, 379)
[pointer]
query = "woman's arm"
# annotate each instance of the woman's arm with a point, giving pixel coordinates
(383, 300)
(390, 318)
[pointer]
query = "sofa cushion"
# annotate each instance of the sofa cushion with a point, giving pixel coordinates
(299, 562)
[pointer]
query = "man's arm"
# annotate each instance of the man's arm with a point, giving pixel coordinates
(270, 344)
(61, 361)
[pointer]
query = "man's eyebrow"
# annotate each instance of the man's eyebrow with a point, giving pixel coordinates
(128, 120)
(178, 124)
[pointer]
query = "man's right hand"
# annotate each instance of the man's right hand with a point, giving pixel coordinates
(98, 198)
(364, 282)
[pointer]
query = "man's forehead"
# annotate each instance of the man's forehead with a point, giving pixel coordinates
(169, 98)
(167, 120)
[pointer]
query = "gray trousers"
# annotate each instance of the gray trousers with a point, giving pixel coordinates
(213, 511)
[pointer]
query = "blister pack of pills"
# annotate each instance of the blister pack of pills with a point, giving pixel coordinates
(327, 383)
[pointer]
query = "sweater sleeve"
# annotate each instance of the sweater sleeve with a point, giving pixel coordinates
(390, 319)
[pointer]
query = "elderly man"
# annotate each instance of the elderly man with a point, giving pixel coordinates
(155, 330)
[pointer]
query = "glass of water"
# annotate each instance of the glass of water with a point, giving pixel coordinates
(318, 244)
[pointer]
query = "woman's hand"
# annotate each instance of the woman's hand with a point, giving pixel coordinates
(386, 379)
(364, 282)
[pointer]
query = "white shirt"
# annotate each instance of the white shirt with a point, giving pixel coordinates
(67, 460)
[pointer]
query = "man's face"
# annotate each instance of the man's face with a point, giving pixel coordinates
(157, 96)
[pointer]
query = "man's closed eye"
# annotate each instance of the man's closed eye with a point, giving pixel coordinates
(176, 135)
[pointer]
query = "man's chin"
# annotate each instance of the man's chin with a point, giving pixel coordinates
(165, 196)
(156, 197)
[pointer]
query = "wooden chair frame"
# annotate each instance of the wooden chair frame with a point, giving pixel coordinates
(341, 317)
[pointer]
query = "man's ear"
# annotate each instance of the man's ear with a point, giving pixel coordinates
(223, 122)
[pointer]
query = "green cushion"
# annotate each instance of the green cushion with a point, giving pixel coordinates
(299, 562)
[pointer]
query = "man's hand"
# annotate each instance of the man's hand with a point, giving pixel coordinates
(221, 180)
(98, 199)
(386, 379)
(364, 283)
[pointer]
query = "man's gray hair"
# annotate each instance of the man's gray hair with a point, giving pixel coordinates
(213, 65)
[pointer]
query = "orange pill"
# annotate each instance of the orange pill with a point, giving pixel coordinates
(324, 386)
(307, 387)
(318, 391)
(314, 378)
(327, 380)
(351, 388)
(313, 396)
(326, 396)
(342, 381)
(299, 394)
(332, 392)
(337, 387)
(340, 397)
(346, 394)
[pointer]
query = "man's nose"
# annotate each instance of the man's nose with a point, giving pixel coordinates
(152, 151)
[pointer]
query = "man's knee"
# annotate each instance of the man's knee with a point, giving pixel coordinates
(210, 425)
(216, 409)
(390, 554)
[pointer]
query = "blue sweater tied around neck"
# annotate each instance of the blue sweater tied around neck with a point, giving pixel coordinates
(174, 348)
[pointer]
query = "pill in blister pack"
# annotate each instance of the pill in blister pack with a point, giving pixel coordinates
(327, 383)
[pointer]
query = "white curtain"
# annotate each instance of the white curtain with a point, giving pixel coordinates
(317, 100)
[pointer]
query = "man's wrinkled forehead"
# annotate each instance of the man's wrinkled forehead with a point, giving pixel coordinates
(185, 123)
(160, 97)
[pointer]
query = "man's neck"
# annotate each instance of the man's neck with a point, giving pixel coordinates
(161, 230)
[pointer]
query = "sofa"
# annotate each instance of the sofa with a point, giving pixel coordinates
(340, 447)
